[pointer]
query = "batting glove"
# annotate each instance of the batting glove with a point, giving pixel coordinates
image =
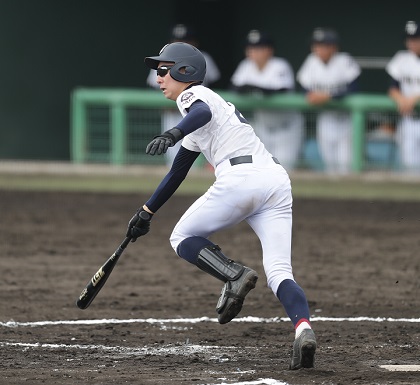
(139, 225)
(160, 143)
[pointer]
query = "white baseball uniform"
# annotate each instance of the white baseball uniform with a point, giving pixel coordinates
(257, 192)
(334, 128)
(170, 117)
(404, 67)
(281, 131)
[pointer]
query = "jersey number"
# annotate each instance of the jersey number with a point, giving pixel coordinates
(239, 115)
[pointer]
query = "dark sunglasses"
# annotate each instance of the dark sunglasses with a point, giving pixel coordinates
(163, 71)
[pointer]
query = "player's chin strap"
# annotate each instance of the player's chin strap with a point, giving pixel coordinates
(214, 262)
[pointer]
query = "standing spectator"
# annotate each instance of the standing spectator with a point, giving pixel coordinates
(328, 74)
(170, 118)
(404, 69)
(262, 73)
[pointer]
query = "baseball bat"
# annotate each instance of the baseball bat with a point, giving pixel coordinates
(98, 280)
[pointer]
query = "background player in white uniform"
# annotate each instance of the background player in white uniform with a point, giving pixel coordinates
(250, 185)
(263, 73)
(187, 34)
(404, 69)
(328, 74)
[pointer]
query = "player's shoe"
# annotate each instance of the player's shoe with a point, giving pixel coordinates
(303, 355)
(233, 295)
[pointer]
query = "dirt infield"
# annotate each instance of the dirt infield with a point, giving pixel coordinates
(353, 259)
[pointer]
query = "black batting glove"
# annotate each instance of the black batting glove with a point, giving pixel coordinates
(160, 143)
(139, 225)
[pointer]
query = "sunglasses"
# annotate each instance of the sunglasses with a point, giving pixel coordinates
(163, 71)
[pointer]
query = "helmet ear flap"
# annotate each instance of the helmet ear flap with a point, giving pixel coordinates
(183, 73)
(189, 70)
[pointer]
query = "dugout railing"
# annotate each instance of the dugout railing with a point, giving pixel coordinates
(114, 125)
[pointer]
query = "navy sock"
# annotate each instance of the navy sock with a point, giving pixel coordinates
(190, 247)
(293, 300)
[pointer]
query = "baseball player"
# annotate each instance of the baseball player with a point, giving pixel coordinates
(329, 74)
(183, 33)
(404, 69)
(250, 185)
(262, 73)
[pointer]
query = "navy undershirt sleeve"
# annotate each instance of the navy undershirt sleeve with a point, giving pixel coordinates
(351, 88)
(198, 115)
(247, 89)
(393, 83)
(179, 170)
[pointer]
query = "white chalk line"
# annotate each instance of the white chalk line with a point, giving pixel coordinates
(185, 349)
(13, 323)
(401, 368)
(262, 381)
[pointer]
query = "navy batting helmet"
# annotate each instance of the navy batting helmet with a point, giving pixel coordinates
(183, 55)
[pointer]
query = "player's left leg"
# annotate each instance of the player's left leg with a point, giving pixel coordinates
(295, 303)
(274, 229)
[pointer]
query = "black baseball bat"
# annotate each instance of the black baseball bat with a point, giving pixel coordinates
(95, 284)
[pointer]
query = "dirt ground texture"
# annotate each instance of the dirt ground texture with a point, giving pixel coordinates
(352, 258)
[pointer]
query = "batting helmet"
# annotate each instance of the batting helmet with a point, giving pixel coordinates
(183, 55)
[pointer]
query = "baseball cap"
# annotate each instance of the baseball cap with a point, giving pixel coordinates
(324, 36)
(256, 38)
(182, 32)
(412, 29)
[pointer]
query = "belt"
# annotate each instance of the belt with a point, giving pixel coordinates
(246, 159)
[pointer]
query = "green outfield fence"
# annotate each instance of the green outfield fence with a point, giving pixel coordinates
(114, 125)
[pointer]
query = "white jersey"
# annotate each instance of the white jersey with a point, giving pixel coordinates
(226, 136)
(334, 128)
(332, 77)
(212, 73)
(404, 67)
(276, 74)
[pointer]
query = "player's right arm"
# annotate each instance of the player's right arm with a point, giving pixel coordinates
(183, 161)
(405, 104)
(394, 69)
(198, 115)
(139, 224)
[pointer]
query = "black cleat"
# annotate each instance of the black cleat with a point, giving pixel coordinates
(233, 295)
(303, 355)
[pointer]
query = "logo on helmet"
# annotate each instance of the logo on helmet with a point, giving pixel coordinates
(411, 28)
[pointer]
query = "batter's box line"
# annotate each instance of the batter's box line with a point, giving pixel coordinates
(160, 321)
(145, 350)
